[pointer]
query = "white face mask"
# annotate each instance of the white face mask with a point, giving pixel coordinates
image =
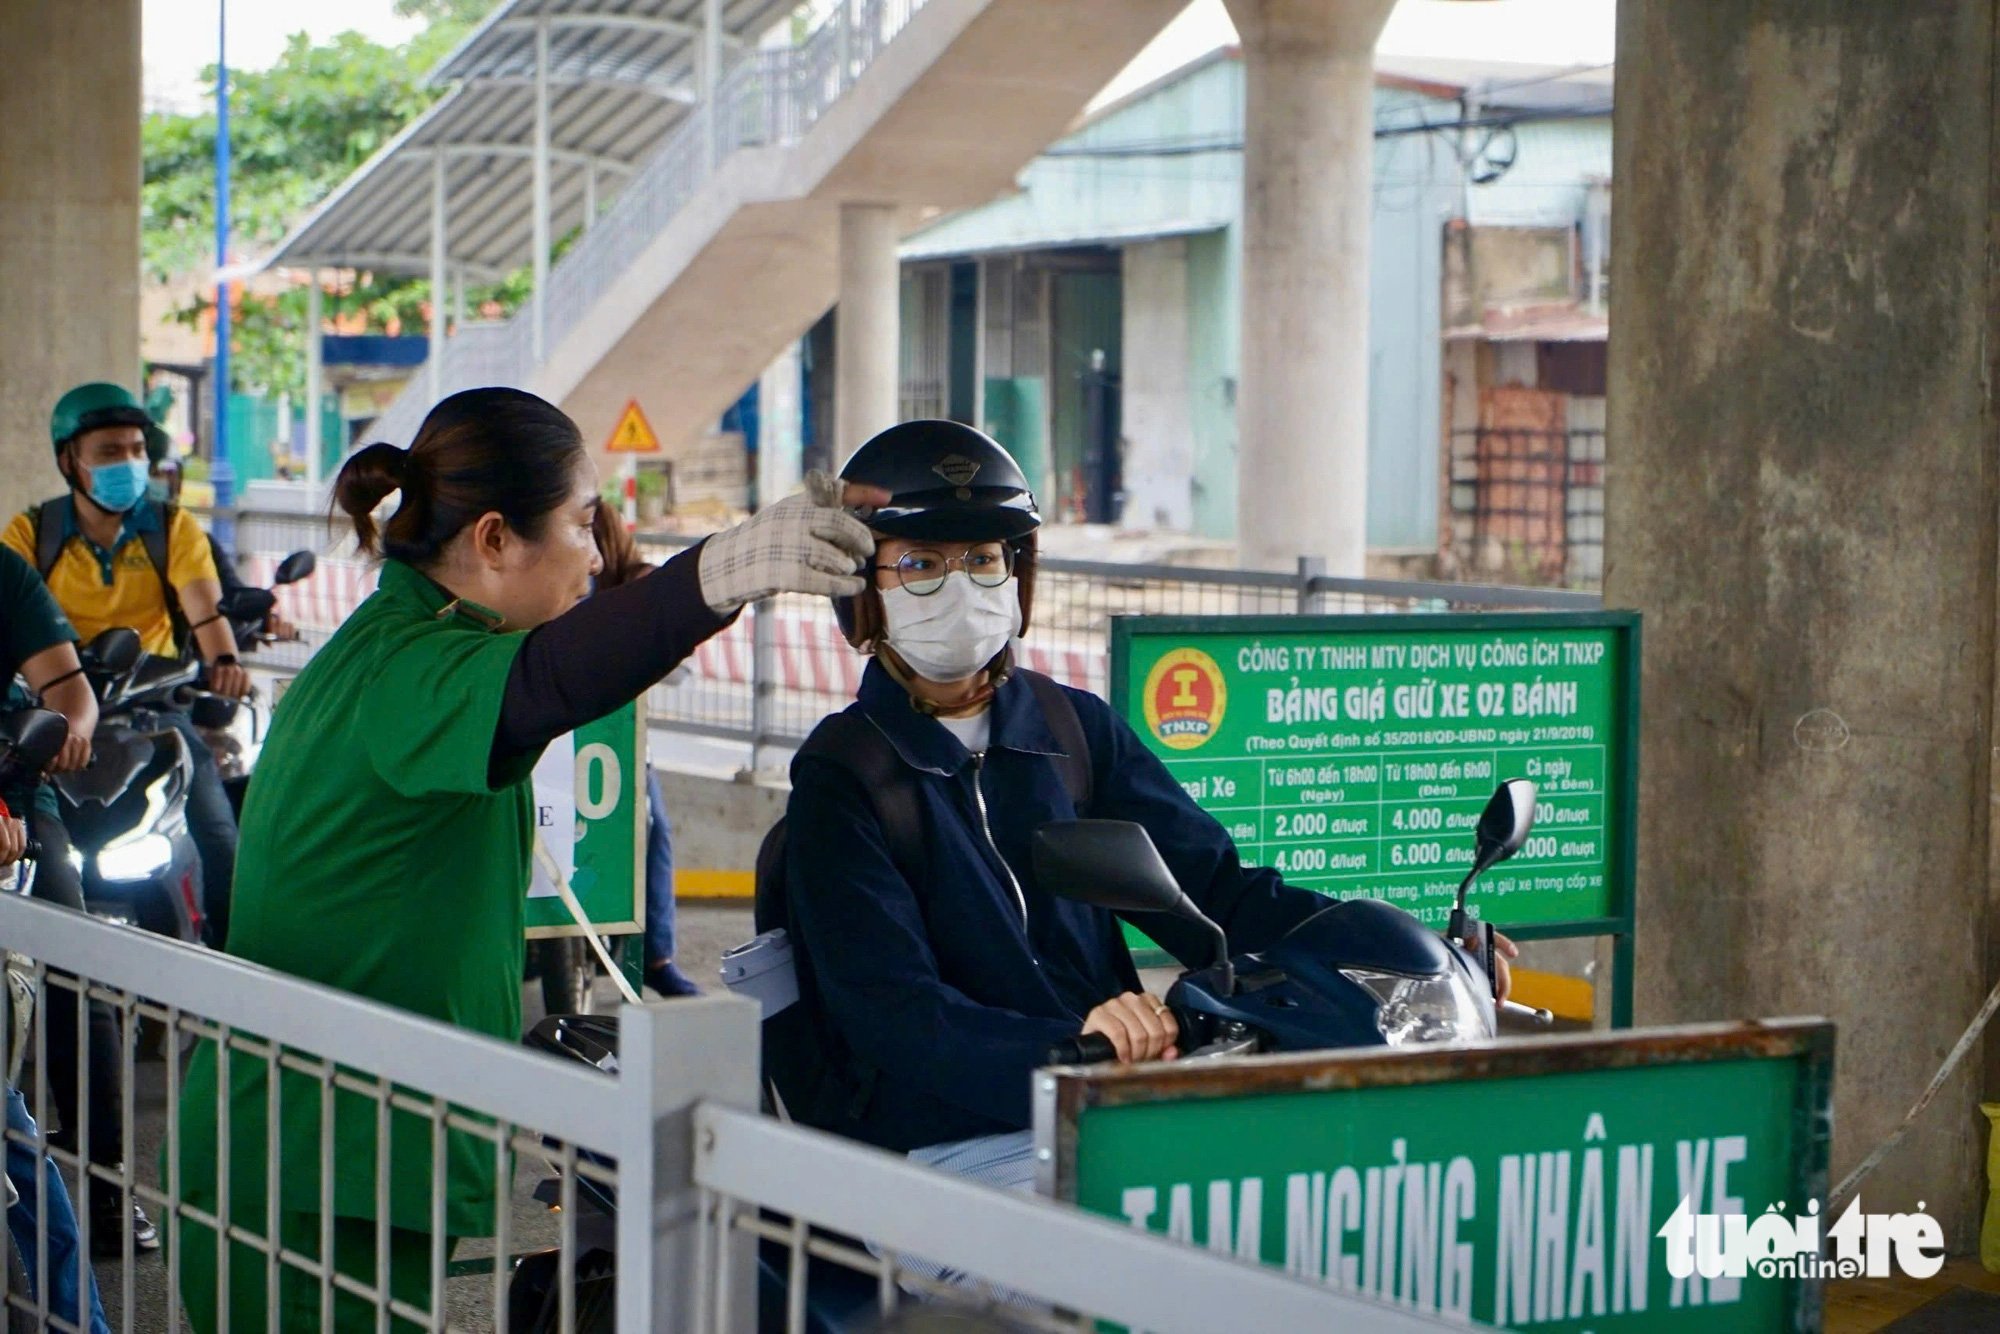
(953, 632)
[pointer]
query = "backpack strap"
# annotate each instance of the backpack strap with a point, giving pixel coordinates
(51, 519)
(849, 740)
(157, 552)
(1060, 714)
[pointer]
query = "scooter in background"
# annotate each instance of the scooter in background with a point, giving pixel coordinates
(1358, 973)
(127, 812)
(234, 730)
(30, 740)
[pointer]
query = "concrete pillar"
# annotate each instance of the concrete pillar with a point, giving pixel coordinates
(69, 220)
(1308, 171)
(866, 347)
(1802, 500)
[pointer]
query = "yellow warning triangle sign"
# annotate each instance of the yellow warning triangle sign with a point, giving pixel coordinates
(633, 434)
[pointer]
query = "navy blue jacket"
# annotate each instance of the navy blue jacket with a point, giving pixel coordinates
(944, 997)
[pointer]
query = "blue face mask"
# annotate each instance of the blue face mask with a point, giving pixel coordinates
(156, 490)
(118, 486)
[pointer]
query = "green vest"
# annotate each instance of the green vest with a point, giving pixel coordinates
(377, 857)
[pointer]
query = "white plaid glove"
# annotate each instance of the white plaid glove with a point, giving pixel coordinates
(805, 543)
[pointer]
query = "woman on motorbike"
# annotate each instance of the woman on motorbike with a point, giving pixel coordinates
(386, 842)
(948, 977)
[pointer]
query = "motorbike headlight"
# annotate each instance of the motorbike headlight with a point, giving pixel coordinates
(1412, 1011)
(140, 859)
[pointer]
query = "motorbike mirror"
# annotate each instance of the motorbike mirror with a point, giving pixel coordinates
(1105, 863)
(1113, 864)
(299, 565)
(32, 738)
(117, 651)
(247, 604)
(1503, 828)
(1504, 825)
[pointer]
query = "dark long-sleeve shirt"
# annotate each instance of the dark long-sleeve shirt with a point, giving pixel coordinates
(606, 650)
(941, 989)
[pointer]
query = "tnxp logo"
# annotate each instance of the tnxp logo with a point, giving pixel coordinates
(1726, 1247)
(1185, 698)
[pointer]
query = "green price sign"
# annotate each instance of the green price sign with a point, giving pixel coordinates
(1520, 1185)
(1353, 754)
(590, 816)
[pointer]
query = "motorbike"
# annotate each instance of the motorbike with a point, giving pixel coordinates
(127, 812)
(29, 742)
(234, 730)
(1358, 973)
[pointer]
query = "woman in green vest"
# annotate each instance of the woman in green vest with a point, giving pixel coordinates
(387, 838)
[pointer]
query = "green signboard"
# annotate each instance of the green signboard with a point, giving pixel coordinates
(590, 809)
(1353, 754)
(1518, 1184)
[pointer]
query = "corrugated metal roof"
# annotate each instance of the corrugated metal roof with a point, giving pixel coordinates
(652, 41)
(621, 76)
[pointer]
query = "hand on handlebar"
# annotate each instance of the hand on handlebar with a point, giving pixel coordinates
(74, 755)
(278, 630)
(13, 841)
(1139, 1027)
(228, 678)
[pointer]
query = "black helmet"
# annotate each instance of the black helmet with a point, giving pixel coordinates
(946, 481)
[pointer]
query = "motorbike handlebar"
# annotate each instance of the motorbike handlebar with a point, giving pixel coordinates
(1097, 1049)
(1083, 1049)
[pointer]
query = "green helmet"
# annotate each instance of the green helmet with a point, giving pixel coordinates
(90, 406)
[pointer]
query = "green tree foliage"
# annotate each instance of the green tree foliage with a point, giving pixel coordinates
(296, 131)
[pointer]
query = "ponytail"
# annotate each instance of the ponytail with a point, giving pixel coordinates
(365, 481)
(483, 451)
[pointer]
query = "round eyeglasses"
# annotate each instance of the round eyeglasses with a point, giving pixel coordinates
(923, 572)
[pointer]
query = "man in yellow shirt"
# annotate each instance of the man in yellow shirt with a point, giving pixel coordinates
(114, 558)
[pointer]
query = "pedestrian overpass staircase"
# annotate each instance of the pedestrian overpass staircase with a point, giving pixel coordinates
(723, 247)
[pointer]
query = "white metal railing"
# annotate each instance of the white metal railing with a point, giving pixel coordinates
(1047, 1266)
(330, 1046)
(768, 98)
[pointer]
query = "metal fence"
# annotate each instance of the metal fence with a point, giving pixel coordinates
(784, 665)
(768, 98)
(703, 1179)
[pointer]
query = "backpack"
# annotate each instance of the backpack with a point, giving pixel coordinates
(51, 519)
(809, 1072)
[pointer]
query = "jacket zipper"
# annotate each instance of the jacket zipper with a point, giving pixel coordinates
(979, 797)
